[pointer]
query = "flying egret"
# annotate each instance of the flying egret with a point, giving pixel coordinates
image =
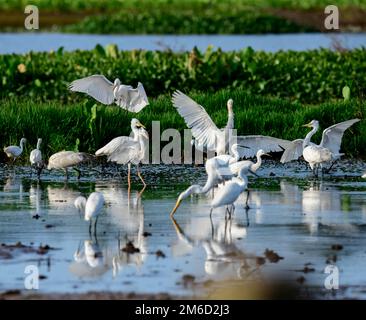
(92, 207)
(128, 150)
(326, 151)
(236, 166)
(66, 159)
(14, 152)
(106, 92)
(35, 158)
(231, 191)
(207, 134)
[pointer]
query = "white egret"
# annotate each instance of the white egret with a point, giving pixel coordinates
(93, 207)
(231, 191)
(66, 159)
(328, 149)
(217, 170)
(236, 166)
(106, 92)
(207, 134)
(35, 158)
(14, 152)
(128, 150)
(80, 203)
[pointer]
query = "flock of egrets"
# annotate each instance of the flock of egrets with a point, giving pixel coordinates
(224, 170)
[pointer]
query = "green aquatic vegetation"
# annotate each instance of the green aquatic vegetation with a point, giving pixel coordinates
(307, 76)
(60, 126)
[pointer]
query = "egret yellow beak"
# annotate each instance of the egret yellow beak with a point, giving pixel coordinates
(266, 154)
(141, 125)
(307, 125)
(175, 207)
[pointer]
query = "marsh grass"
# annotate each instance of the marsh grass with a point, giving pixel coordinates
(69, 127)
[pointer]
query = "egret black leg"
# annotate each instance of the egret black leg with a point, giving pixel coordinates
(247, 216)
(95, 226)
(90, 227)
(78, 172)
(246, 202)
(327, 171)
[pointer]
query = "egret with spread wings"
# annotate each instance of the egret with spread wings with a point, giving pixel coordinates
(328, 149)
(106, 92)
(128, 150)
(209, 136)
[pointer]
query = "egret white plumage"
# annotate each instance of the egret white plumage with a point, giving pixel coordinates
(217, 170)
(66, 159)
(80, 203)
(231, 191)
(364, 175)
(128, 150)
(236, 166)
(207, 135)
(93, 207)
(328, 149)
(106, 92)
(14, 152)
(35, 158)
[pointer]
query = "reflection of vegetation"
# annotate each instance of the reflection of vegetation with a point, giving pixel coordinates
(61, 125)
(309, 76)
(175, 16)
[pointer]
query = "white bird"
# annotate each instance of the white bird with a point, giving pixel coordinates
(328, 149)
(237, 166)
(80, 203)
(92, 207)
(231, 191)
(35, 158)
(14, 152)
(106, 92)
(217, 170)
(66, 159)
(128, 150)
(364, 175)
(207, 135)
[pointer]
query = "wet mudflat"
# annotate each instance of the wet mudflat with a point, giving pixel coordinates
(296, 226)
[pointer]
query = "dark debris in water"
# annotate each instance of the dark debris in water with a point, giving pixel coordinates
(260, 261)
(301, 279)
(7, 251)
(188, 280)
(130, 248)
(160, 254)
(147, 234)
(337, 247)
(272, 256)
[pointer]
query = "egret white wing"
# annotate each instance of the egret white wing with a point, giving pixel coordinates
(96, 86)
(195, 116)
(113, 145)
(128, 152)
(256, 142)
(293, 151)
(133, 100)
(332, 136)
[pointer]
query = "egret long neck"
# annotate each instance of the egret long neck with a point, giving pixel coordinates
(21, 145)
(308, 137)
(143, 146)
(244, 180)
(230, 119)
(39, 144)
(254, 167)
(135, 132)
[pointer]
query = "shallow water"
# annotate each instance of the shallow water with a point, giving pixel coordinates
(297, 216)
(26, 41)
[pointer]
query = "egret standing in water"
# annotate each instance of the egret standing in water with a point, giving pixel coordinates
(128, 150)
(208, 135)
(35, 158)
(106, 92)
(14, 152)
(328, 149)
(231, 191)
(92, 208)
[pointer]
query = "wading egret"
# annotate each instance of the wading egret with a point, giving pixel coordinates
(35, 158)
(66, 159)
(207, 135)
(216, 173)
(92, 208)
(106, 92)
(231, 191)
(14, 152)
(128, 150)
(236, 166)
(326, 151)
